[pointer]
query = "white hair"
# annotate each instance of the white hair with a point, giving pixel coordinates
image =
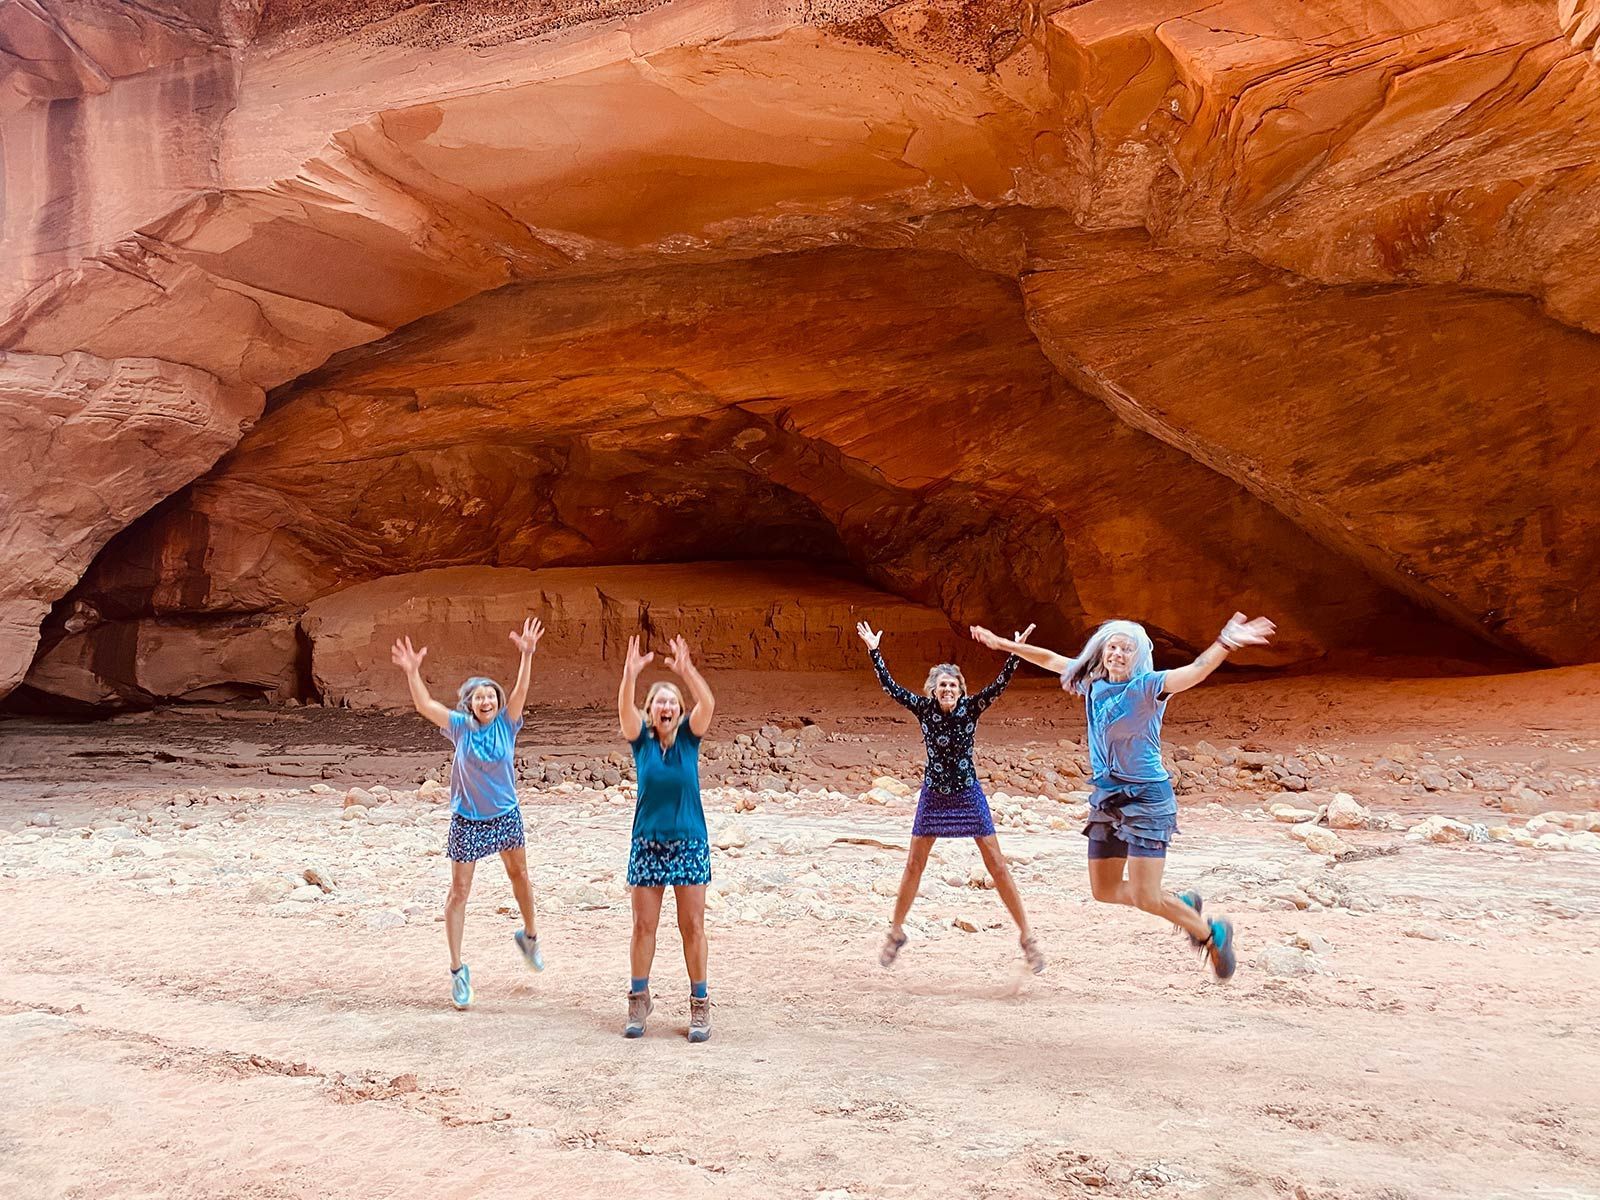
(1082, 672)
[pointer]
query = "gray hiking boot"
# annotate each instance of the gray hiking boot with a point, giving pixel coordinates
(640, 1006)
(699, 1018)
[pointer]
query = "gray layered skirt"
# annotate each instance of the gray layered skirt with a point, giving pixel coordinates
(1143, 816)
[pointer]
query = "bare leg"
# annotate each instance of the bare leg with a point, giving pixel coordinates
(646, 916)
(516, 864)
(910, 881)
(691, 902)
(1142, 890)
(995, 863)
(455, 908)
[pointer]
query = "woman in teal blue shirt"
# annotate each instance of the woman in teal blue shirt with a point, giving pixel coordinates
(670, 847)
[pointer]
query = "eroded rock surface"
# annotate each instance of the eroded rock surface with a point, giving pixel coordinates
(90, 445)
(757, 616)
(1281, 304)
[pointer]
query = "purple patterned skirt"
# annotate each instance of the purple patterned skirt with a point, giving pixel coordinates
(953, 814)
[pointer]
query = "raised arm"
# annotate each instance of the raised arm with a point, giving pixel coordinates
(987, 696)
(704, 703)
(1236, 634)
(526, 643)
(897, 693)
(1018, 645)
(627, 696)
(409, 660)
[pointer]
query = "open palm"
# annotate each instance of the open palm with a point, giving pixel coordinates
(528, 640)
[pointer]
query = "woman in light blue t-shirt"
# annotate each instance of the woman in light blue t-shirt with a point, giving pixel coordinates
(1133, 812)
(669, 846)
(485, 817)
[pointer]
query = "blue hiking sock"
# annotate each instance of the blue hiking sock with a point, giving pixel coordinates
(640, 985)
(698, 990)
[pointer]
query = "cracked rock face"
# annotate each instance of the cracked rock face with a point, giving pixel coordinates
(1047, 314)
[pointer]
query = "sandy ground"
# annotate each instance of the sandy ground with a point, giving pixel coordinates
(174, 1021)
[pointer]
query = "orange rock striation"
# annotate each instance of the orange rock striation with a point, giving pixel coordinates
(1059, 311)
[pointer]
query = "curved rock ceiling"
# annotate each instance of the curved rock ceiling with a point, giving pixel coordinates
(1061, 311)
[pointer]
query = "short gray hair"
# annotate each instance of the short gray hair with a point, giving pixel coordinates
(464, 696)
(944, 669)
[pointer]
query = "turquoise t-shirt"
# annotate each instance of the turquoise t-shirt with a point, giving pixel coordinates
(669, 806)
(1125, 729)
(483, 774)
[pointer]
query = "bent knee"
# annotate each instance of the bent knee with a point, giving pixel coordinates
(1150, 901)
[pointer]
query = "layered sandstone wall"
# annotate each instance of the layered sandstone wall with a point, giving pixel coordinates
(1069, 311)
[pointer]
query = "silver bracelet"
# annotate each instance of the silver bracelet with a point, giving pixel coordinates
(1227, 642)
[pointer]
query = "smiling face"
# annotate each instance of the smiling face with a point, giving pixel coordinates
(664, 708)
(483, 703)
(947, 691)
(1118, 656)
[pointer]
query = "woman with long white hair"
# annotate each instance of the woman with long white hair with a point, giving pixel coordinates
(1133, 812)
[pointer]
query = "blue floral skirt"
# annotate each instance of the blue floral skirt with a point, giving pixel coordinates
(681, 862)
(471, 840)
(953, 814)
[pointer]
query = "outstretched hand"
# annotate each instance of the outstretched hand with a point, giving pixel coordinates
(528, 640)
(636, 662)
(406, 657)
(679, 660)
(984, 637)
(867, 636)
(1241, 632)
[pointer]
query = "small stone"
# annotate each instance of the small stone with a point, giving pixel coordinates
(1439, 829)
(385, 918)
(320, 876)
(964, 925)
(304, 893)
(1345, 812)
(42, 820)
(731, 836)
(268, 890)
(433, 792)
(1285, 962)
(360, 796)
(1323, 841)
(354, 812)
(403, 1083)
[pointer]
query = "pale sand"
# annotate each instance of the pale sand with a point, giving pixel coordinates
(169, 1029)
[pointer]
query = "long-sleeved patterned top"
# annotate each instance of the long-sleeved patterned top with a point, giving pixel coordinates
(947, 735)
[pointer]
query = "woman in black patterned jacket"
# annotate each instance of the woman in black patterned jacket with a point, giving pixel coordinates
(952, 803)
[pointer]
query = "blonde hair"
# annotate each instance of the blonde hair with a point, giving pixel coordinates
(1082, 672)
(659, 686)
(944, 669)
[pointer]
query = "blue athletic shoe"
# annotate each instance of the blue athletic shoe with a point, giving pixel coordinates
(1219, 949)
(532, 953)
(461, 986)
(1194, 900)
